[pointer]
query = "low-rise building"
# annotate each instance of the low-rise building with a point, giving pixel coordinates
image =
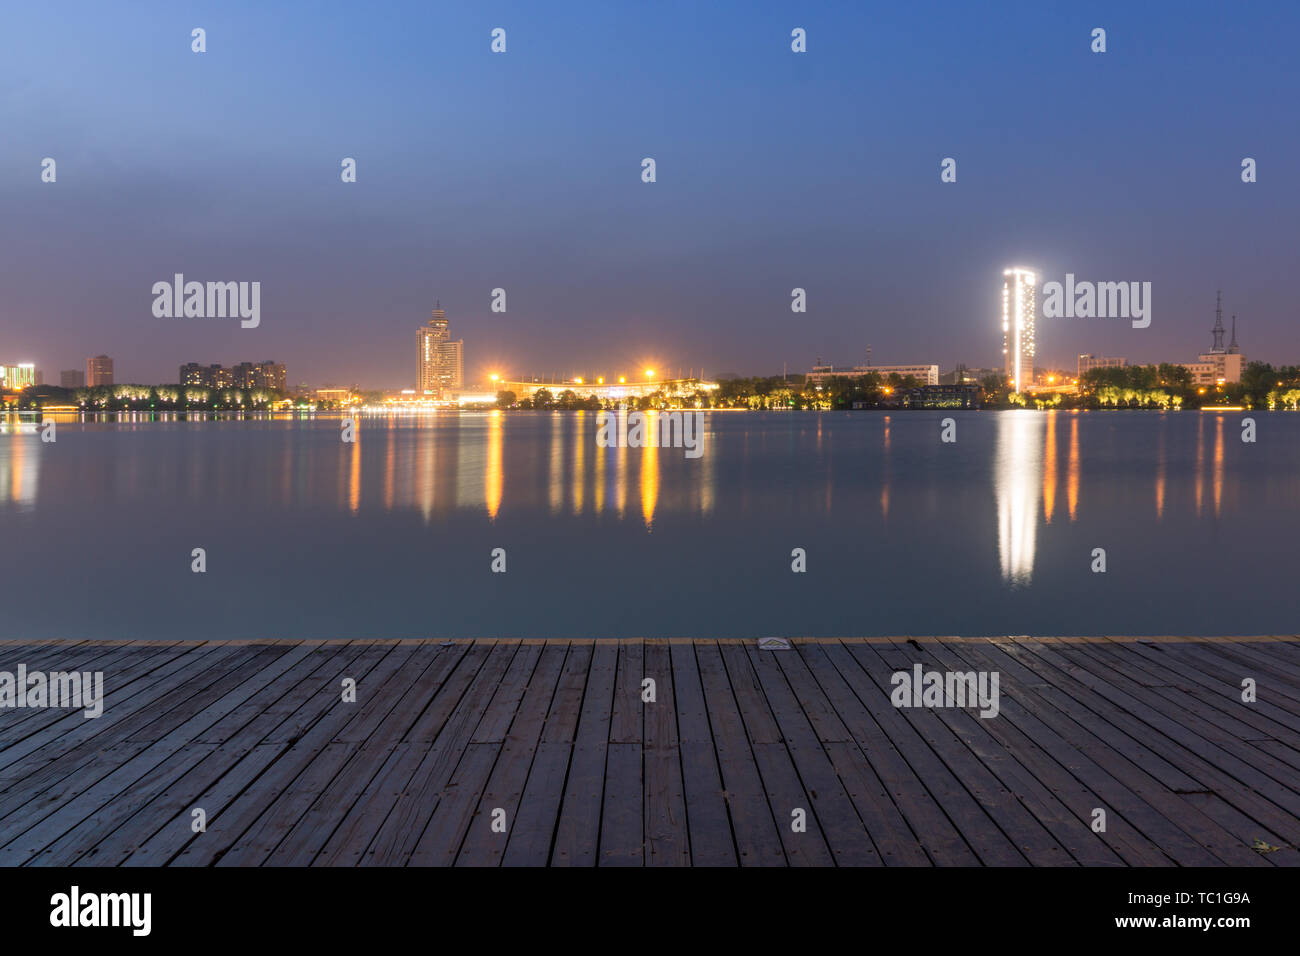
(17, 377)
(942, 396)
(925, 374)
(1216, 368)
(1088, 361)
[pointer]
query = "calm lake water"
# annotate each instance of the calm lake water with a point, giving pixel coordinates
(307, 536)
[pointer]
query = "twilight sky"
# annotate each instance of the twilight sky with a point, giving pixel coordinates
(522, 170)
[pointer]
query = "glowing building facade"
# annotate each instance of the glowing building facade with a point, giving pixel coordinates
(1018, 327)
(99, 370)
(441, 364)
(18, 377)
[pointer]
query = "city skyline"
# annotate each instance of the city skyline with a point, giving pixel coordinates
(440, 360)
(770, 177)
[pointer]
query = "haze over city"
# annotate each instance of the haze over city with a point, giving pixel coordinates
(522, 172)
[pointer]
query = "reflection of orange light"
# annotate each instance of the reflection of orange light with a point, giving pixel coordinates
(1049, 469)
(884, 488)
(1072, 485)
(1160, 479)
(493, 477)
(1218, 466)
(354, 481)
(579, 478)
(1200, 461)
(650, 476)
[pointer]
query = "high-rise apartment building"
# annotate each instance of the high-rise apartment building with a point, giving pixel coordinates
(441, 361)
(269, 374)
(72, 378)
(1018, 347)
(243, 374)
(99, 370)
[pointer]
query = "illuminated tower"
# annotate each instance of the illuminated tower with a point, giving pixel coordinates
(1018, 327)
(430, 339)
(441, 368)
(1218, 330)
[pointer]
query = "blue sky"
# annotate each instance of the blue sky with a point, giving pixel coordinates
(522, 171)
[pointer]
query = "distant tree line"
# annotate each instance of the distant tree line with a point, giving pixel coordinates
(774, 392)
(1170, 386)
(129, 397)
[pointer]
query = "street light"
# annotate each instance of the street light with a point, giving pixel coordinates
(649, 373)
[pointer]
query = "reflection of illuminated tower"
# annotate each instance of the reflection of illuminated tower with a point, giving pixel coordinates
(1017, 484)
(1018, 327)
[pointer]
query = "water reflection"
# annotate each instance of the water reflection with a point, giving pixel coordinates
(650, 474)
(354, 478)
(1160, 478)
(884, 476)
(20, 473)
(578, 480)
(442, 463)
(1016, 481)
(1049, 469)
(1200, 463)
(557, 462)
(1218, 464)
(1072, 486)
(494, 479)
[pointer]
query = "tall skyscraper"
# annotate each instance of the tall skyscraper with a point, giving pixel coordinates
(1018, 327)
(441, 362)
(99, 370)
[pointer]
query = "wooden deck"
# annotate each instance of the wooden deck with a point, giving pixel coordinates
(556, 735)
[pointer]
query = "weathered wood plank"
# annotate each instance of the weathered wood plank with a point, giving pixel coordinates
(577, 833)
(708, 824)
(529, 840)
(666, 839)
(556, 735)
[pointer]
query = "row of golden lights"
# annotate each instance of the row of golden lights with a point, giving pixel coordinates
(622, 379)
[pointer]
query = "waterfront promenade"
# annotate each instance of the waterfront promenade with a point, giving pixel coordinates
(544, 752)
